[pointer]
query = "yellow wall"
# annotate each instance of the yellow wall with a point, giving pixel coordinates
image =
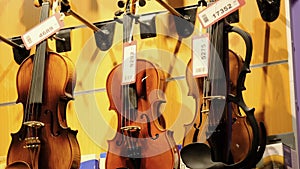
(267, 88)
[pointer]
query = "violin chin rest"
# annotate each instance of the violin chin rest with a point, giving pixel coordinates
(198, 156)
(18, 165)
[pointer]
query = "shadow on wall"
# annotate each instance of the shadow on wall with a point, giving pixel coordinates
(94, 5)
(273, 77)
(29, 15)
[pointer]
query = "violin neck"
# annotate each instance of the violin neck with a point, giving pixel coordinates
(219, 39)
(220, 119)
(37, 83)
(128, 20)
(127, 27)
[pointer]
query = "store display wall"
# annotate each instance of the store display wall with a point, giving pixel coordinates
(267, 85)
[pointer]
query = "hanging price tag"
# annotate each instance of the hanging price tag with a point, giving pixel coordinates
(218, 10)
(200, 58)
(129, 63)
(42, 31)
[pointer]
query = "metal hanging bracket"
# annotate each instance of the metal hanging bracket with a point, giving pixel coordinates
(146, 21)
(185, 27)
(63, 40)
(147, 26)
(19, 51)
(103, 36)
(184, 18)
(269, 9)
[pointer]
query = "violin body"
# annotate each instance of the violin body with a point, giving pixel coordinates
(140, 141)
(241, 136)
(58, 144)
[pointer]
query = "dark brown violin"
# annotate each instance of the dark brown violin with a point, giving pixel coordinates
(141, 142)
(241, 131)
(45, 83)
(230, 138)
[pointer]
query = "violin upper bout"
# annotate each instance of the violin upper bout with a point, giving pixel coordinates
(113, 86)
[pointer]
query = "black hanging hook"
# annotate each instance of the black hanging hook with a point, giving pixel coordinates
(202, 3)
(269, 9)
(146, 22)
(19, 51)
(103, 36)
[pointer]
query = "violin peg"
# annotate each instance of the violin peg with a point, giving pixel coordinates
(121, 4)
(142, 3)
(37, 3)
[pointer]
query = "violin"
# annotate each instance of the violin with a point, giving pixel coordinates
(241, 131)
(45, 83)
(141, 142)
(235, 139)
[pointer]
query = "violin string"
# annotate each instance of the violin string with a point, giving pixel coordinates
(131, 90)
(29, 107)
(38, 62)
(132, 24)
(215, 74)
(34, 98)
(210, 85)
(202, 106)
(125, 86)
(127, 112)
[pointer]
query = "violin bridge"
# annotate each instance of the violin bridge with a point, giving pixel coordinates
(214, 97)
(132, 131)
(34, 124)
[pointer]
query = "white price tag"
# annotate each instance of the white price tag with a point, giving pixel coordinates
(200, 58)
(129, 63)
(42, 31)
(218, 10)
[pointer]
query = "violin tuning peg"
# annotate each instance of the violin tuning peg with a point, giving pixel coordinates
(142, 3)
(119, 13)
(37, 3)
(121, 4)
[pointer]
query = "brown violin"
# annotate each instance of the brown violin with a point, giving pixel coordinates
(141, 140)
(241, 131)
(45, 83)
